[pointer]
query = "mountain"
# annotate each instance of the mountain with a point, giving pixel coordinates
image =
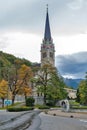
(72, 82)
(7, 60)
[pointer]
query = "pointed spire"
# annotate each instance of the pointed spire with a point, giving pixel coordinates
(47, 34)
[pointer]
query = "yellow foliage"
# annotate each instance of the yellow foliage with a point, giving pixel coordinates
(27, 91)
(25, 71)
(3, 88)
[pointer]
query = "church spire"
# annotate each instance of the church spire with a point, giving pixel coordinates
(47, 46)
(47, 34)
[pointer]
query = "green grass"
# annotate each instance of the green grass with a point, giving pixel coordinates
(79, 107)
(3, 108)
(74, 103)
(41, 106)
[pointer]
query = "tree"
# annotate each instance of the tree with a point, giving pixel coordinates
(25, 75)
(18, 80)
(3, 90)
(82, 91)
(49, 83)
(55, 90)
(78, 95)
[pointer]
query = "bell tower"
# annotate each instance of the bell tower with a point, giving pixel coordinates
(47, 46)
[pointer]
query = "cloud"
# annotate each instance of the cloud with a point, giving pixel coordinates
(22, 44)
(30, 15)
(76, 4)
(74, 65)
(70, 44)
(3, 42)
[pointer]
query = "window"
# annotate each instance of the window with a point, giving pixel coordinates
(44, 55)
(51, 54)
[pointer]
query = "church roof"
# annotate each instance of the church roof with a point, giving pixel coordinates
(47, 34)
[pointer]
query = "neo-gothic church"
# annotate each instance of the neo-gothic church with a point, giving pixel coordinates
(47, 55)
(47, 46)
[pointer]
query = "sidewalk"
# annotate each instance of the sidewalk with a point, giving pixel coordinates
(80, 115)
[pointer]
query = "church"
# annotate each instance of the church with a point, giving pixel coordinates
(47, 55)
(47, 46)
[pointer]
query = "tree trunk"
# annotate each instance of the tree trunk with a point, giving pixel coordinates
(25, 97)
(44, 95)
(13, 99)
(2, 102)
(44, 99)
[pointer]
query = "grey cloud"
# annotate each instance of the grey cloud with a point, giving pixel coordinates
(26, 14)
(30, 15)
(74, 65)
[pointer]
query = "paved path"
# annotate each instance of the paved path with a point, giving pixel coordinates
(16, 120)
(80, 115)
(4, 115)
(49, 122)
(54, 120)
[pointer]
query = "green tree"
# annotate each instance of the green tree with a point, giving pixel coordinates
(49, 83)
(82, 91)
(56, 89)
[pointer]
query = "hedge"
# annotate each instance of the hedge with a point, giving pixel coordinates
(43, 107)
(14, 109)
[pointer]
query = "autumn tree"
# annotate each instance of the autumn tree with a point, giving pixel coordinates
(25, 75)
(18, 77)
(3, 90)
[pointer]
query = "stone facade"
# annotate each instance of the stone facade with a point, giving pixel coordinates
(47, 46)
(71, 93)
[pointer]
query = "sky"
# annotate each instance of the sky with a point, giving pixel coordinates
(72, 66)
(22, 25)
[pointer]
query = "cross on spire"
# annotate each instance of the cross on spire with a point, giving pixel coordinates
(47, 7)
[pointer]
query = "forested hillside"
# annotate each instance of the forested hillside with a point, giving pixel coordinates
(7, 60)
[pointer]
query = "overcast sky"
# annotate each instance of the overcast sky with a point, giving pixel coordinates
(22, 26)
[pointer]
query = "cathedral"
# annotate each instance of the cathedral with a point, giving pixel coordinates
(47, 55)
(47, 46)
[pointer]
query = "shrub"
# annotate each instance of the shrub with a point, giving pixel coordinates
(43, 107)
(14, 109)
(50, 103)
(30, 101)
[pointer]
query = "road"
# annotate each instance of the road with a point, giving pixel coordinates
(16, 120)
(34, 120)
(48, 122)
